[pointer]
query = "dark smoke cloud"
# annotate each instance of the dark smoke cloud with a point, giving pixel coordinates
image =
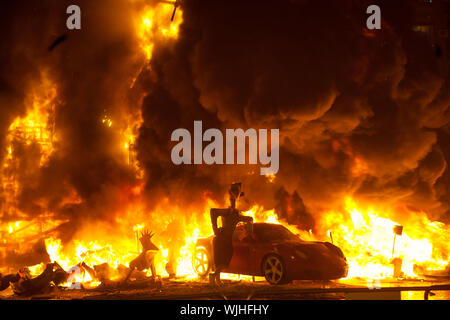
(92, 69)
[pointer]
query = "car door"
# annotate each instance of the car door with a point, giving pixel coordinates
(241, 262)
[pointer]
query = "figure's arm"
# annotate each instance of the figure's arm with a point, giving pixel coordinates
(89, 270)
(248, 226)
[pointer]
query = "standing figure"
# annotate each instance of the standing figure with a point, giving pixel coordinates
(5, 281)
(174, 241)
(147, 257)
(223, 240)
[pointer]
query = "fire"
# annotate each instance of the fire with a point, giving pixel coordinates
(367, 240)
(13, 227)
(359, 166)
(153, 25)
(33, 129)
(129, 135)
(270, 177)
(259, 214)
(37, 269)
(107, 121)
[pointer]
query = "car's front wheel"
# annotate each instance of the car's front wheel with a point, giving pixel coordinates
(274, 270)
(201, 262)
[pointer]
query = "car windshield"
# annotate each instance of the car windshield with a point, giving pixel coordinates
(273, 232)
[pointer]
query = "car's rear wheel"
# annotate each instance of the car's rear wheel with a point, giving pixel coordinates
(274, 270)
(201, 262)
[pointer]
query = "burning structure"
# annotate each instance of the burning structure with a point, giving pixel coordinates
(85, 130)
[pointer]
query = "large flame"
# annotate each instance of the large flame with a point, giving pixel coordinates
(367, 239)
(34, 129)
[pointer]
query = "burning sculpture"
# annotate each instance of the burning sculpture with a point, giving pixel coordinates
(223, 240)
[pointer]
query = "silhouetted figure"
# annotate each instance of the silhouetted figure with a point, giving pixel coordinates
(223, 241)
(174, 241)
(5, 281)
(26, 285)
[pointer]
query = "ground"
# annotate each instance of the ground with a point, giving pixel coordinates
(180, 289)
